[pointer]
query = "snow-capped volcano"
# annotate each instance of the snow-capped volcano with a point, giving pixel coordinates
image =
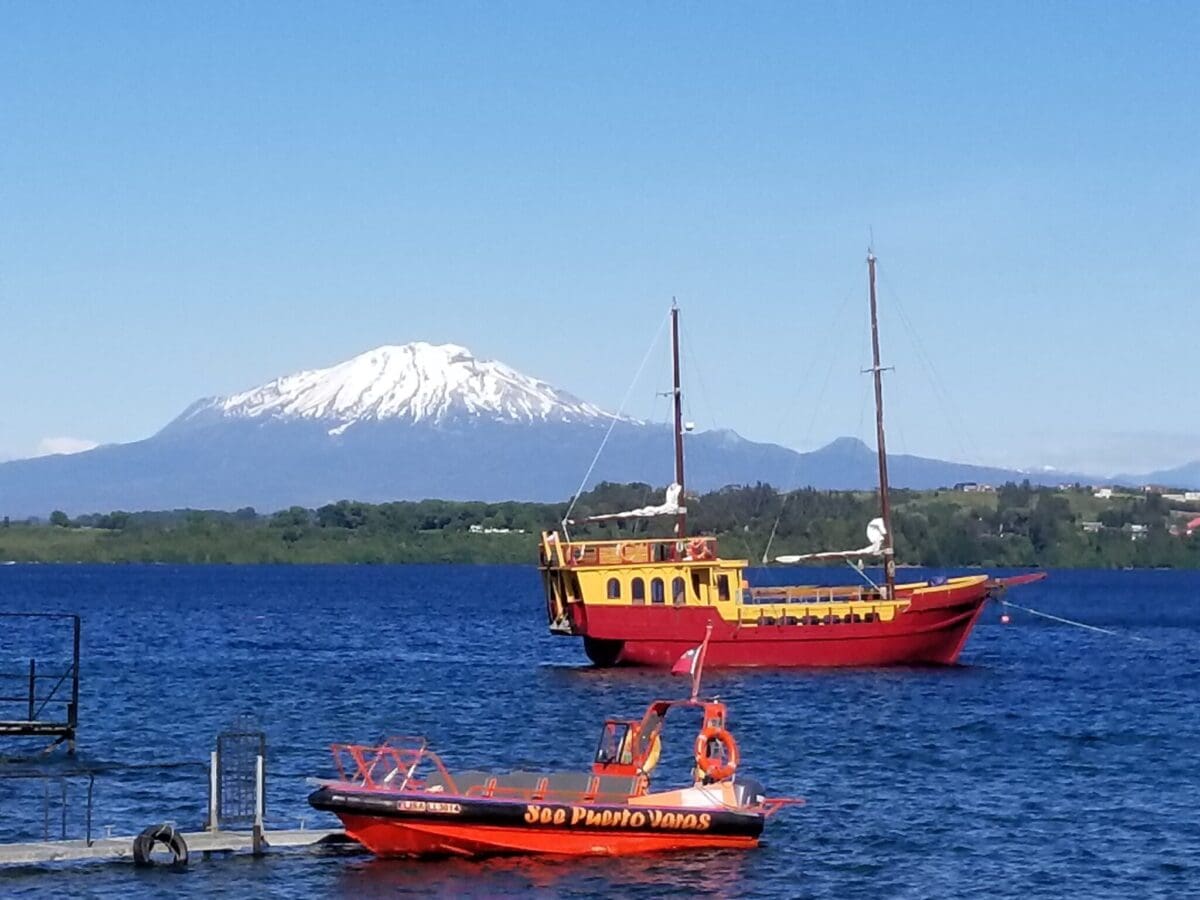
(417, 382)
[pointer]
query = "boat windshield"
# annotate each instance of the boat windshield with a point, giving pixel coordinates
(614, 748)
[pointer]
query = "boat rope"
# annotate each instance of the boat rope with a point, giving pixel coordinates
(817, 409)
(1034, 612)
(963, 436)
(613, 423)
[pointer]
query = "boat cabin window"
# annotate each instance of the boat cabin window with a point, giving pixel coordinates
(722, 587)
(614, 589)
(656, 591)
(638, 591)
(614, 747)
(678, 592)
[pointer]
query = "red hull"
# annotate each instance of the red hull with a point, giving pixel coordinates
(932, 630)
(385, 837)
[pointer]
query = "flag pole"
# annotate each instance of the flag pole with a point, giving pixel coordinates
(699, 672)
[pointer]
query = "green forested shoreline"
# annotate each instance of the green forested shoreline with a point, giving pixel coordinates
(1016, 525)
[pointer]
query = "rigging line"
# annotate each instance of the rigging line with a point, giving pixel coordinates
(615, 419)
(693, 365)
(963, 435)
(812, 422)
(1132, 637)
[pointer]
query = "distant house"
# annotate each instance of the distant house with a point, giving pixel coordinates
(974, 487)
(479, 529)
(1136, 532)
(1103, 494)
(1092, 527)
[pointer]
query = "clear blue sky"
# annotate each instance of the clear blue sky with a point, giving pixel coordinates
(195, 198)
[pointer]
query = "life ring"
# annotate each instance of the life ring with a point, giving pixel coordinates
(143, 846)
(623, 551)
(578, 552)
(713, 767)
(698, 548)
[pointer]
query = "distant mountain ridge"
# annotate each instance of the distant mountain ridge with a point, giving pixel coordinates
(418, 421)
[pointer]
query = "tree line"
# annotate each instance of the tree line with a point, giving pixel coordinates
(1017, 525)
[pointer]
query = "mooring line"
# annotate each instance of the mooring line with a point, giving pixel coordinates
(1034, 612)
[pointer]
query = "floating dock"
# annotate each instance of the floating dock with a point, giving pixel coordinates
(202, 842)
(235, 822)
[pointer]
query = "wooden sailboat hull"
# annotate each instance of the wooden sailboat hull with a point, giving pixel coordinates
(932, 630)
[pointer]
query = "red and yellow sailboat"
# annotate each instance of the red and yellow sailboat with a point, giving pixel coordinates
(645, 601)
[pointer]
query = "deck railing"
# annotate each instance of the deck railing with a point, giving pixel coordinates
(639, 551)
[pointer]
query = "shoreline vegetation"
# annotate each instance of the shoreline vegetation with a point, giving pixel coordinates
(1012, 526)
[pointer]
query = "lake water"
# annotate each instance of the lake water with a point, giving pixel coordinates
(1053, 762)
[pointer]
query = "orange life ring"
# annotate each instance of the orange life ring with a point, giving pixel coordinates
(698, 548)
(712, 766)
(625, 556)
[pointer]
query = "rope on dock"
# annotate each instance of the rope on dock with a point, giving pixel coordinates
(1034, 612)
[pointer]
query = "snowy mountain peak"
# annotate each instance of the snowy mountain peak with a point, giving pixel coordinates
(417, 382)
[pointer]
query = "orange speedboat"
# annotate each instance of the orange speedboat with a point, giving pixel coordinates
(400, 799)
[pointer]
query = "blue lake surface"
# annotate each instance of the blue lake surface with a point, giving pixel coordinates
(1053, 762)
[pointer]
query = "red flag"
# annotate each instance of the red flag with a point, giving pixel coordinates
(686, 664)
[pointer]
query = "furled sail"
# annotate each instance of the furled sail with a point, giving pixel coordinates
(876, 532)
(671, 507)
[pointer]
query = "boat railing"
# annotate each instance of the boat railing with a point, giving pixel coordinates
(638, 551)
(548, 788)
(389, 766)
(813, 594)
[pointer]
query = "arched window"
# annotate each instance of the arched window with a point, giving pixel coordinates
(656, 591)
(614, 589)
(638, 591)
(678, 592)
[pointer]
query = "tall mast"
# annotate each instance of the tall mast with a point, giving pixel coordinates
(885, 504)
(681, 517)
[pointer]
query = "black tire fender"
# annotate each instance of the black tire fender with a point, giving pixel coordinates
(143, 846)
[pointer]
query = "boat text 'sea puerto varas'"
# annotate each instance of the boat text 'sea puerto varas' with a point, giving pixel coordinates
(400, 799)
(645, 601)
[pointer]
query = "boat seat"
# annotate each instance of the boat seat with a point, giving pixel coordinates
(464, 781)
(518, 781)
(615, 788)
(569, 783)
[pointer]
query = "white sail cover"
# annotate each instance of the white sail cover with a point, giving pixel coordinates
(670, 507)
(876, 532)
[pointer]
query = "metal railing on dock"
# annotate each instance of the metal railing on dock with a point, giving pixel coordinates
(236, 820)
(45, 688)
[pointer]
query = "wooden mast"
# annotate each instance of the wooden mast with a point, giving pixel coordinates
(885, 505)
(681, 517)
